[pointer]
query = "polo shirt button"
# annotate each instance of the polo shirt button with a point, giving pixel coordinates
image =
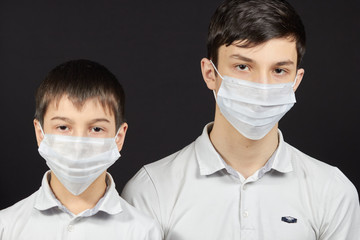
(70, 228)
(245, 214)
(244, 187)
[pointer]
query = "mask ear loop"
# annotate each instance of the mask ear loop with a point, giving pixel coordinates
(219, 75)
(214, 94)
(292, 85)
(116, 135)
(42, 131)
(216, 69)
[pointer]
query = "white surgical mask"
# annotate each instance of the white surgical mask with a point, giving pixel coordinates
(252, 108)
(78, 161)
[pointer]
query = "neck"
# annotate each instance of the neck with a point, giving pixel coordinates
(82, 202)
(244, 155)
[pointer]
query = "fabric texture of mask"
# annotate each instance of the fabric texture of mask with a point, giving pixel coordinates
(78, 161)
(253, 109)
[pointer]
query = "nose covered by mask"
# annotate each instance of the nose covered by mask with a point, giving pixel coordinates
(251, 108)
(78, 161)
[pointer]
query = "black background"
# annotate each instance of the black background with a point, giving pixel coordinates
(155, 48)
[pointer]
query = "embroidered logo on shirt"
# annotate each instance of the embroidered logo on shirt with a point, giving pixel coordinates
(289, 219)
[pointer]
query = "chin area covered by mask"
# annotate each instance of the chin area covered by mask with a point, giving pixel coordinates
(78, 161)
(251, 108)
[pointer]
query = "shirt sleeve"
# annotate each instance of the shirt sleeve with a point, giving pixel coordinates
(141, 192)
(342, 210)
(2, 228)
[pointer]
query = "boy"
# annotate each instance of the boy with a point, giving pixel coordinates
(239, 179)
(80, 129)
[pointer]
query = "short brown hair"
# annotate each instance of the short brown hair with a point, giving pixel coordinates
(81, 80)
(254, 22)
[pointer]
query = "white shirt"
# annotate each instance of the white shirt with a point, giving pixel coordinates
(195, 195)
(42, 216)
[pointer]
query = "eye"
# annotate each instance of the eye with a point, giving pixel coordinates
(279, 71)
(96, 129)
(242, 67)
(63, 128)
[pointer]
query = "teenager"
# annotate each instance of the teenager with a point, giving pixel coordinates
(240, 179)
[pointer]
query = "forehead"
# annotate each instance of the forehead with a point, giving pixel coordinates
(274, 50)
(72, 108)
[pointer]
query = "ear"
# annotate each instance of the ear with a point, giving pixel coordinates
(208, 73)
(120, 137)
(299, 77)
(38, 133)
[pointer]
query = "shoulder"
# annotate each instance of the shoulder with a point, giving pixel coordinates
(154, 186)
(20, 210)
(135, 215)
(139, 221)
(20, 207)
(173, 164)
(326, 179)
(162, 170)
(334, 197)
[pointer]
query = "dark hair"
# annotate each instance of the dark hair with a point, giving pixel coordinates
(81, 80)
(255, 22)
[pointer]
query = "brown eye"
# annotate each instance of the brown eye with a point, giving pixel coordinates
(242, 67)
(279, 71)
(62, 128)
(96, 129)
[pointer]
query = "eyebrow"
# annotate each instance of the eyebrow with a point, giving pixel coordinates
(284, 63)
(240, 57)
(62, 119)
(70, 121)
(246, 59)
(99, 120)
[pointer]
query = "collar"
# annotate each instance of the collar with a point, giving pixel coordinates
(210, 161)
(109, 203)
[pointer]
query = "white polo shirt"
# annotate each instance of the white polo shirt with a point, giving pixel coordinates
(195, 195)
(42, 216)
